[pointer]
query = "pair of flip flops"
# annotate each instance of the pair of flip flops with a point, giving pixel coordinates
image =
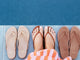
(69, 42)
(11, 41)
(49, 36)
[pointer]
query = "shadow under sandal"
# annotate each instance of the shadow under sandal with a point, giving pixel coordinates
(23, 41)
(11, 37)
(50, 37)
(37, 35)
(74, 42)
(63, 39)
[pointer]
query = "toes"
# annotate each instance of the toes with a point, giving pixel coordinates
(41, 29)
(35, 30)
(52, 32)
(50, 29)
(45, 30)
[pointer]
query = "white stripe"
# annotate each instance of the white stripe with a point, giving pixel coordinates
(33, 58)
(51, 52)
(38, 53)
(25, 59)
(32, 54)
(65, 59)
(42, 58)
(49, 58)
(45, 52)
(70, 58)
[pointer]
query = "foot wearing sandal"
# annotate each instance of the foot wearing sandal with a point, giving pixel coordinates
(63, 39)
(11, 37)
(74, 42)
(23, 39)
(37, 36)
(50, 37)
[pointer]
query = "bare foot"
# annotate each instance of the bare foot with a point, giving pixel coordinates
(37, 36)
(50, 37)
(11, 37)
(23, 39)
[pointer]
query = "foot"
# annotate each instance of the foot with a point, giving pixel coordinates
(50, 37)
(37, 36)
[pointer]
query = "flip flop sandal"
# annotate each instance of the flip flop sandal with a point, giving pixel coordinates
(23, 40)
(74, 42)
(38, 32)
(53, 36)
(11, 37)
(63, 39)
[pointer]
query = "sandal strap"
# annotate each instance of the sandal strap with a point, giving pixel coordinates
(50, 35)
(37, 32)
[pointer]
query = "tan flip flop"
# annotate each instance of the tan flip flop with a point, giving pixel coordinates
(23, 39)
(63, 39)
(37, 35)
(50, 37)
(11, 37)
(74, 42)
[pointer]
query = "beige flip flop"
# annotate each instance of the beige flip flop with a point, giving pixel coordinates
(37, 35)
(50, 37)
(11, 37)
(63, 39)
(23, 39)
(74, 42)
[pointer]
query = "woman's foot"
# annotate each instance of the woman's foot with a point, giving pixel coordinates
(37, 36)
(50, 37)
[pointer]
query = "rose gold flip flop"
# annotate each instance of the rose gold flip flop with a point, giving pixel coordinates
(63, 39)
(37, 35)
(11, 37)
(50, 37)
(74, 42)
(23, 40)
